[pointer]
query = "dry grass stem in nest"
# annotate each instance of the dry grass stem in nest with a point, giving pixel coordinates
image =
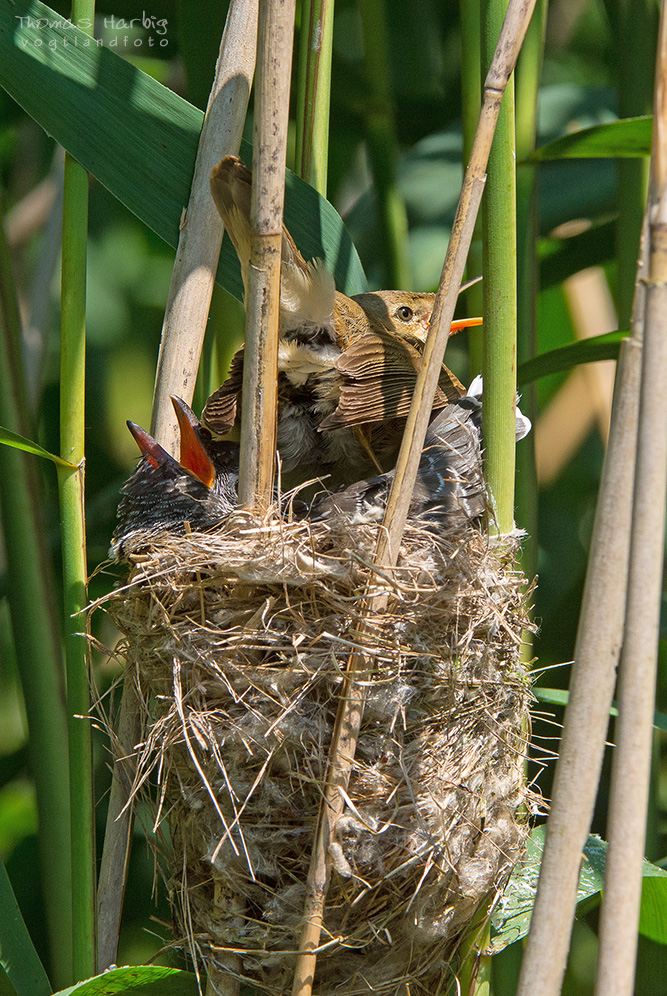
(238, 642)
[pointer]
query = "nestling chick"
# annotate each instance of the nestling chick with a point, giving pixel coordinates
(163, 493)
(450, 490)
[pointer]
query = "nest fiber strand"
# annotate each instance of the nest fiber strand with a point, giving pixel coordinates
(239, 642)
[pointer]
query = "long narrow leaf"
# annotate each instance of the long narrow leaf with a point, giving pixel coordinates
(138, 138)
(10, 438)
(561, 696)
(624, 139)
(17, 952)
(145, 980)
(599, 347)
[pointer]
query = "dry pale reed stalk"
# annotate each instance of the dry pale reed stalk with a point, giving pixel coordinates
(182, 335)
(504, 60)
(639, 657)
(351, 707)
(201, 232)
(260, 369)
(599, 639)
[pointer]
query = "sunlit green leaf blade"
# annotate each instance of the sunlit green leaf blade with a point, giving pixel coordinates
(146, 980)
(138, 138)
(653, 910)
(10, 438)
(511, 919)
(599, 347)
(626, 139)
(17, 953)
(560, 697)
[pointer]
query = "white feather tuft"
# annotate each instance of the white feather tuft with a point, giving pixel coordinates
(306, 296)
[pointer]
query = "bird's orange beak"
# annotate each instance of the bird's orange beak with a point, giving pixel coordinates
(193, 457)
(464, 323)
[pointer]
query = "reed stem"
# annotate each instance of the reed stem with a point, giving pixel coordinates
(260, 368)
(75, 579)
(639, 656)
(314, 93)
(36, 633)
(528, 73)
(504, 60)
(500, 304)
(200, 237)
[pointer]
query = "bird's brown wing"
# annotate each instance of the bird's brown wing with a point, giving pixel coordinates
(222, 408)
(378, 374)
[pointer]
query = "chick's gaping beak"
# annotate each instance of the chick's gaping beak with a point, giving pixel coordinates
(193, 456)
(149, 448)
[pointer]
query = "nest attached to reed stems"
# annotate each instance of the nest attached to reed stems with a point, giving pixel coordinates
(238, 641)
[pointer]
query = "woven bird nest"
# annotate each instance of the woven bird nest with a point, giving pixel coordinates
(238, 641)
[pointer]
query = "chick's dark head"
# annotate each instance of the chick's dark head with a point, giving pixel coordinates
(164, 494)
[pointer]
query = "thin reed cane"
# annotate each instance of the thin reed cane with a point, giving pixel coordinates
(260, 369)
(71, 486)
(639, 656)
(182, 334)
(596, 655)
(511, 37)
(527, 88)
(500, 303)
(36, 633)
(344, 742)
(201, 231)
(314, 93)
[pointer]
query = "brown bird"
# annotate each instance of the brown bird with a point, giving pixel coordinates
(347, 366)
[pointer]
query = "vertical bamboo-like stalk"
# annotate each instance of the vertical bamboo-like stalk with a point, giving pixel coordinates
(36, 635)
(348, 721)
(75, 578)
(499, 286)
(201, 232)
(527, 87)
(599, 639)
(182, 333)
(639, 657)
(314, 93)
(471, 95)
(383, 145)
(260, 376)
(509, 44)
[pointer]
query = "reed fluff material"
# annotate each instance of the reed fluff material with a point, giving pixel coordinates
(238, 641)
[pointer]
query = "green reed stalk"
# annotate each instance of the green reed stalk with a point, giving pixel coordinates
(314, 92)
(383, 146)
(529, 68)
(500, 306)
(471, 101)
(36, 635)
(71, 483)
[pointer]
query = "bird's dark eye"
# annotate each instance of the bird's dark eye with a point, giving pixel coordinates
(404, 313)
